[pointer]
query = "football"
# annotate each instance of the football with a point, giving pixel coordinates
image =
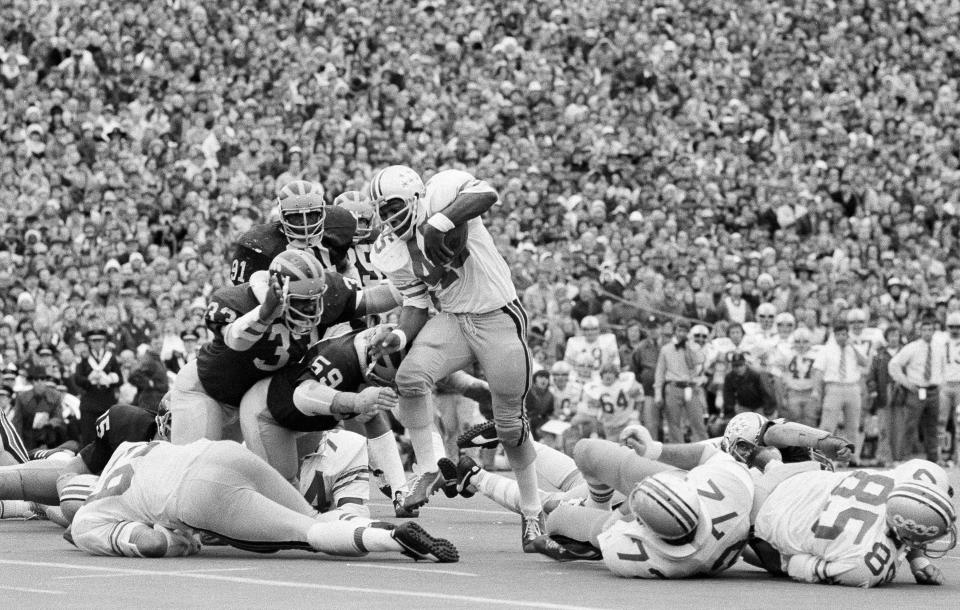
(456, 238)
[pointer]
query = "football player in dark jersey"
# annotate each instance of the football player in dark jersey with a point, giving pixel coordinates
(305, 223)
(366, 234)
(36, 480)
(254, 336)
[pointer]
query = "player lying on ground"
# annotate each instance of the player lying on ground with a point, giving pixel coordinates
(796, 441)
(36, 480)
(674, 523)
(153, 499)
(863, 522)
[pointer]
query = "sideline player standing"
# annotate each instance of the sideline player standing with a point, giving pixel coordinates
(480, 318)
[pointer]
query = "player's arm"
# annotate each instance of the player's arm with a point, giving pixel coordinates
(474, 197)
(896, 367)
(379, 299)
(682, 455)
(241, 334)
(105, 536)
(388, 341)
(313, 397)
(850, 572)
(792, 434)
(659, 377)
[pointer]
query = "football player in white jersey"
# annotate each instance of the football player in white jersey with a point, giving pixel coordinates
(602, 348)
(865, 340)
(793, 368)
(153, 499)
(674, 523)
(434, 246)
(950, 390)
(614, 399)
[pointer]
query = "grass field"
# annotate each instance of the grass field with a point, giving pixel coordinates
(38, 569)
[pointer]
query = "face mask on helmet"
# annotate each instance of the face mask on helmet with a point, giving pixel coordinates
(302, 211)
(163, 418)
(742, 436)
(923, 517)
(668, 505)
(396, 192)
(303, 305)
(397, 217)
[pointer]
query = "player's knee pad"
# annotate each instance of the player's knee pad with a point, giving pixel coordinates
(413, 381)
(512, 430)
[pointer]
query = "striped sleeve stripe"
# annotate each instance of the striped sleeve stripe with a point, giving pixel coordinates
(11, 440)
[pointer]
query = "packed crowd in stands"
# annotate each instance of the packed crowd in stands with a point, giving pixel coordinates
(655, 159)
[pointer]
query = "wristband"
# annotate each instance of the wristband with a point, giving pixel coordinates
(654, 451)
(440, 222)
(403, 338)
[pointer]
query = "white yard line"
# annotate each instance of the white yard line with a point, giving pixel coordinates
(456, 510)
(377, 566)
(134, 573)
(263, 582)
(27, 590)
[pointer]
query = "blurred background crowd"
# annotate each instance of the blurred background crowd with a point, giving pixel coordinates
(656, 160)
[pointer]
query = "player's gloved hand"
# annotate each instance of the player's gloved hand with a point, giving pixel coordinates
(433, 245)
(385, 341)
(272, 305)
(374, 399)
(836, 448)
(925, 573)
(636, 437)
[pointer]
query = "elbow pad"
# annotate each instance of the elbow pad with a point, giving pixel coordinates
(241, 334)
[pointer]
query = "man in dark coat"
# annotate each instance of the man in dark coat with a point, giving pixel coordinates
(98, 376)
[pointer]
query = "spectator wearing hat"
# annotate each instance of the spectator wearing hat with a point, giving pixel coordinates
(178, 359)
(601, 347)
(98, 377)
(744, 389)
(678, 384)
(36, 412)
(886, 401)
(838, 375)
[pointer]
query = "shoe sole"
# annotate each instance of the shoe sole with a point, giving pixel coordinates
(419, 544)
(402, 512)
(466, 440)
(448, 470)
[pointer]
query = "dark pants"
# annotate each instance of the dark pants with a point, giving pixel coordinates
(926, 412)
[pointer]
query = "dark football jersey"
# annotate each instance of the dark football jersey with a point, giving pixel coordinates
(359, 256)
(227, 374)
(257, 247)
(121, 423)
(333, 362)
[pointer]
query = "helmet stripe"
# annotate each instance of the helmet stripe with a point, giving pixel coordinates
(923, 495)
(672, 503)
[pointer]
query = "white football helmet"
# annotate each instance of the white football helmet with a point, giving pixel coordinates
(667, 504)
(920, 513)
(397, 194)
(383, 371)
(743, 435)
(302, 210)
(163, 417)
(303, 304)
(363, 211)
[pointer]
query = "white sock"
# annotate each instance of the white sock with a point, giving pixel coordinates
(336, 538)
(16, 509)
(498, 488)
(385, 456)
(379, 540)
(438, 447)
(423, 448)
(529, 493)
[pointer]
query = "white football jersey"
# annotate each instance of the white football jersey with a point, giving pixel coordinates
(134, 490)
(476, 281)
(867, 343)
(618, 401)
(831, 526)
(951, 370)
(726, 494)
(570, 398)
(794, 368)
(603, 351)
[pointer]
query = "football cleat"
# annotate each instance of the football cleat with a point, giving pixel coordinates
(467, 468)
(483, 436)
(561, 548)
(423, 486)
(449, 472)
(530, 530)
(417, 543)
(399, 507)
(381, 482)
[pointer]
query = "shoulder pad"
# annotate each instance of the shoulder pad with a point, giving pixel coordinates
(389, 254)
(339, 226)
(264, 238)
